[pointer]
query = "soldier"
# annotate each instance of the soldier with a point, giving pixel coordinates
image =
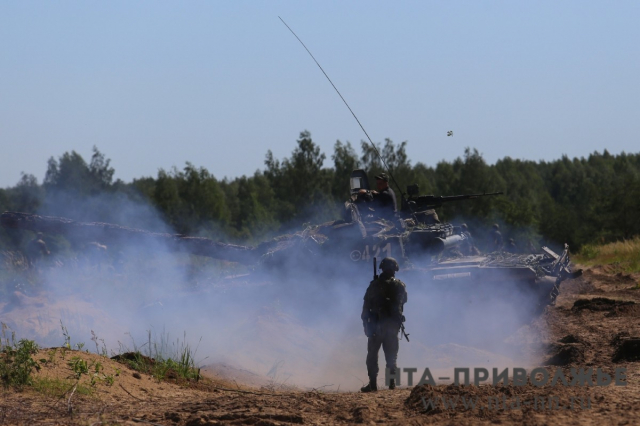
(495, 238)
(382, 317)
(37, 249)
(511, 246)
(468, 247)
(384, 197)
(382, 201)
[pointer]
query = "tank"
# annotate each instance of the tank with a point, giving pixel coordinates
(432, 254)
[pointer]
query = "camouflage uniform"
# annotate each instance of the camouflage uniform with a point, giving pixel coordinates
(382, 317)
(385, 200)
(468, 247)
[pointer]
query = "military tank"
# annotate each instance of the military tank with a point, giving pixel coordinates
(431, 253)
(436, 255)
(442, 254)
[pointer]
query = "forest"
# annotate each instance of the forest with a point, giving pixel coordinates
(593, 199)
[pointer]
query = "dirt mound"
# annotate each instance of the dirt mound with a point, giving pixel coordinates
(628, 350)
(134, 357)
(570, 338)
(600, 304)
(624, 311)
(619, 337)
(565, 354)
(59, 369)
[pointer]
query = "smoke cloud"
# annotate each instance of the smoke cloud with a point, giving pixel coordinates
(296, 324)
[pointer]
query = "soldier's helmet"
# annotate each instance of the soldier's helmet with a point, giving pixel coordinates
(383, 176)
(464, 227)
(496, 226)
(389, 264)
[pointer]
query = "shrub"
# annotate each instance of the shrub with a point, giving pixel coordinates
(16, 364)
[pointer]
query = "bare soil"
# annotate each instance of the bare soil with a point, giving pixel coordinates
(593, 324)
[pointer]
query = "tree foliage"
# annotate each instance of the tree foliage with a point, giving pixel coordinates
(577, 201)
(191, 200)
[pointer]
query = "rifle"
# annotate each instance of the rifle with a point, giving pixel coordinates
(375, 268)
(404, 333)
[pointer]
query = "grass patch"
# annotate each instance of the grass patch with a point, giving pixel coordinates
(624, 256)
(56, 388)
(17, 365)
(164, 360)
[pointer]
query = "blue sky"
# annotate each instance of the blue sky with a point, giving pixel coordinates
(155, 84)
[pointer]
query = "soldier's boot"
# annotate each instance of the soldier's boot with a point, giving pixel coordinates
(392, 384)
(371, 387)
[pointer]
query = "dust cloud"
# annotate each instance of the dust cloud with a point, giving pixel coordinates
(295, 326)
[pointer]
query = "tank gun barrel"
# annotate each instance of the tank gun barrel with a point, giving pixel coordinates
(432, 201)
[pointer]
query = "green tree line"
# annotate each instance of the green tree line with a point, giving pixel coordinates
(577, 201)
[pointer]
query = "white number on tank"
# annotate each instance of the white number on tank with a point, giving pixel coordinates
(365, 254)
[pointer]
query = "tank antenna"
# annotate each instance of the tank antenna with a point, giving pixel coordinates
(350, 110)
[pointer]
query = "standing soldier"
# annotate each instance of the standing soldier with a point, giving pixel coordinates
(495, 238)
(468, 247)
(382, 318)
(385, 197)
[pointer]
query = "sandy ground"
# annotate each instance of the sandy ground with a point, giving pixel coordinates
(591, 326)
